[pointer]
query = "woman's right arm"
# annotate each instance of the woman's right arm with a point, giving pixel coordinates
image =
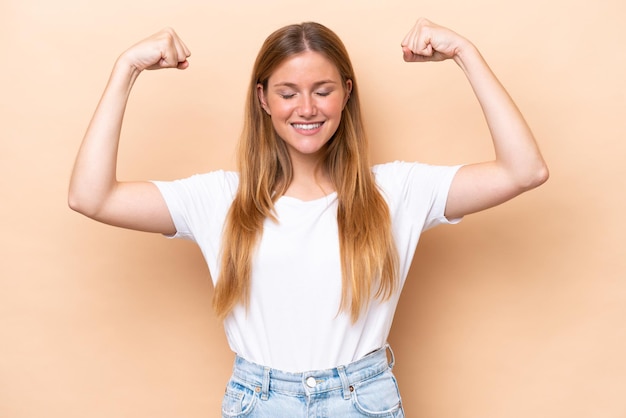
(94, 188)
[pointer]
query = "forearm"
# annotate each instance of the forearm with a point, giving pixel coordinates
(94, 174)
(515, 148)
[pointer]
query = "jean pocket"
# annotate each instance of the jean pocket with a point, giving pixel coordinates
(238, 401)
(378, 396)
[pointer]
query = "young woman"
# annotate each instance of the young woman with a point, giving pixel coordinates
(307, 244)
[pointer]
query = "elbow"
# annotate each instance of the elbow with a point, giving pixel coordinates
(536, 177)
(542, 174)
(78, 202)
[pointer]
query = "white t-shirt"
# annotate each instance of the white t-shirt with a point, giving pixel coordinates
(293, 321)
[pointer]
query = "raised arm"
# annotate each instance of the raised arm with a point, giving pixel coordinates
(94, 188)
(518, 165)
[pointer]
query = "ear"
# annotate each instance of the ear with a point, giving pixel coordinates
(260, 92)
(348, 91)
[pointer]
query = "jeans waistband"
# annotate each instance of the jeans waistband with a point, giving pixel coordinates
(263, 379)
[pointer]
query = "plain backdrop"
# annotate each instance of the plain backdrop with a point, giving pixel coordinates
(519, 311)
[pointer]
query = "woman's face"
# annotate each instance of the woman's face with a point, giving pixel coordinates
(304, 98)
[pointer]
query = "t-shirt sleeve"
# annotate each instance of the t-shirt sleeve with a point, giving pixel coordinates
(199, 204)
(418, 191)
(416, 195)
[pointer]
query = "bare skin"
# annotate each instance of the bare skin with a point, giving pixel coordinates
(305, 98)
(96, 192)
(518, 164)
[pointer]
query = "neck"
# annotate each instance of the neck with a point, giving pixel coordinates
(310, 181)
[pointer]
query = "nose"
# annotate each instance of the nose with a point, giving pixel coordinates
(307, 106)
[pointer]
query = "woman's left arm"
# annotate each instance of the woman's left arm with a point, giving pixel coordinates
(518, 165)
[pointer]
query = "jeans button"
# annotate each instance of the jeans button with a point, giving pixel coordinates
(311, 382)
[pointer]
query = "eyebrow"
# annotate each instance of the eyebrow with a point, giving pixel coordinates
(295, 86)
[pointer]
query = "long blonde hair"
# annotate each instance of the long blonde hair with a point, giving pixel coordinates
(368, 254)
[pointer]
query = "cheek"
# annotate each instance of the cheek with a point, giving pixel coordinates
(280, 109)
(335, 109)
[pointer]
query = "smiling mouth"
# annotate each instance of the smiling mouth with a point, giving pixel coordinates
(307, 126)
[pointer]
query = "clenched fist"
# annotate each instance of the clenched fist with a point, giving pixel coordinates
(164, 49)
(427, 41)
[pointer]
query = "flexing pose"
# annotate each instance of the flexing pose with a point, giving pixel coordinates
(308, 245)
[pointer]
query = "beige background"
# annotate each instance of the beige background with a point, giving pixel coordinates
(520, 311)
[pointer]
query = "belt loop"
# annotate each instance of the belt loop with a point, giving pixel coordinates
(344, 382)
(392, 360)
(266, 384)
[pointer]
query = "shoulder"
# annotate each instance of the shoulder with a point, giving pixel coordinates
(416, 177)
(208, 186)
(399, 172)
(392, 170)
(212, 179)
(217, 176)
(388, 169)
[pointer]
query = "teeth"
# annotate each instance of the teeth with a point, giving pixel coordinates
(307, 126)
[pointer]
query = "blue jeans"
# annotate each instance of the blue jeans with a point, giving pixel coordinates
(364, 388)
